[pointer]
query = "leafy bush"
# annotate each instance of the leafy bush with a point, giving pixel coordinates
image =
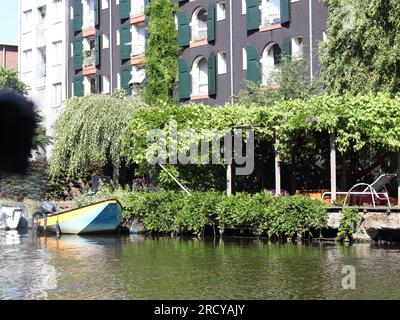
(168, 211)
(348, 225)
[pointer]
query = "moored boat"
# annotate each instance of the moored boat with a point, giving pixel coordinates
(9, 217)
(101, 217)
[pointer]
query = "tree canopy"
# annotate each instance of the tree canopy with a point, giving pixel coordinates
(362, 54)
(9, 82)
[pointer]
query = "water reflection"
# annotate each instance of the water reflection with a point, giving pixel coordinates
(133, 267)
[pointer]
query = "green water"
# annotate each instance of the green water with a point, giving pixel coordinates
(128, 267)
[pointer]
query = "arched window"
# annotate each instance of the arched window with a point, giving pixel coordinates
(270, 12)
(199, 77)
(269, 64)
(199, 24)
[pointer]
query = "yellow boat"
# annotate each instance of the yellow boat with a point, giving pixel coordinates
(101, 217)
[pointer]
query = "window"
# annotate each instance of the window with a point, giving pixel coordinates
(221, 68)
(138, 40)
(244, 54)
(27, 21)
(297, 47)
(93, 85)
(57, 48)
(118, 80)
(104, 4)
(88, 14)
(27, 61)
(270, 12)
(324, 36)
(269, 64)
(57, 94)
(221, 11)
(244, 6)
(106, 84)
(71, 10)
(199, 25)
(137, 7)
(57, 6)
(117, 2)
(118, 38)
(138, 75)
(199, 77)
(105, 40)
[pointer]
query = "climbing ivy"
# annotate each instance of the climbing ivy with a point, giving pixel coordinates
(162, 51)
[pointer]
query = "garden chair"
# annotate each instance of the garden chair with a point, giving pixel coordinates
(377, 190)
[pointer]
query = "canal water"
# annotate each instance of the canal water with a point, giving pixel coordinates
(133, 267)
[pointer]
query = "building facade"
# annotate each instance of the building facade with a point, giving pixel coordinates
(107, 46)
(43, 44)
(226, 42)
(9, 56)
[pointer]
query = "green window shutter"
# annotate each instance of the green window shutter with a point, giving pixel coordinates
(126, 37)
(285, 11)
(78, 56)
(253, 14)
(183, 29)
(78, 15)
(211, 22)
(212, 74)
(184, 86)
(124, 9)
(98, 83)
(98, 49)
(253, 64)
(126, 75)
(78, 86)
(96, 12)
(287, 46)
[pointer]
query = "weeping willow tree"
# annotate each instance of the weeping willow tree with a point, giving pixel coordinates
(90, 130)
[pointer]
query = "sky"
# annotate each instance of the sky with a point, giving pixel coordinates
(9, 25)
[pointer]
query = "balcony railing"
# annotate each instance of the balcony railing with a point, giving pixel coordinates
(270, 13)
(89, 58)
(199, 34)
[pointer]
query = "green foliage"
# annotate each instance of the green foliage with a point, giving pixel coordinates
(90, 129)
(32, 185)
(9, 82)
(162, 51)
(294, 83)
(349, 222)
(176, 211)
(360, 55)
(357, 121)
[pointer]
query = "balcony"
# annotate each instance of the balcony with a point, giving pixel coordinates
(41, 35)
(41, 75)
(89, 62)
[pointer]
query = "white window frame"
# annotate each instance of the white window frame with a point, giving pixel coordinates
(105, 40)
(221, 10)
(57, 49)
(199, 78)
(222, 65)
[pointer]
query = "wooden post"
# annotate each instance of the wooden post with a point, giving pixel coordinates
(229, 179)
(333, 167)
(277, 169)
(398, 178)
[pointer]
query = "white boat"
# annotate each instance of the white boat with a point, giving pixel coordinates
(9, 217)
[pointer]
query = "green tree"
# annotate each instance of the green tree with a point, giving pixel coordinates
(9, 82)
(294, 83)
(162, 51)
(361, 54)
